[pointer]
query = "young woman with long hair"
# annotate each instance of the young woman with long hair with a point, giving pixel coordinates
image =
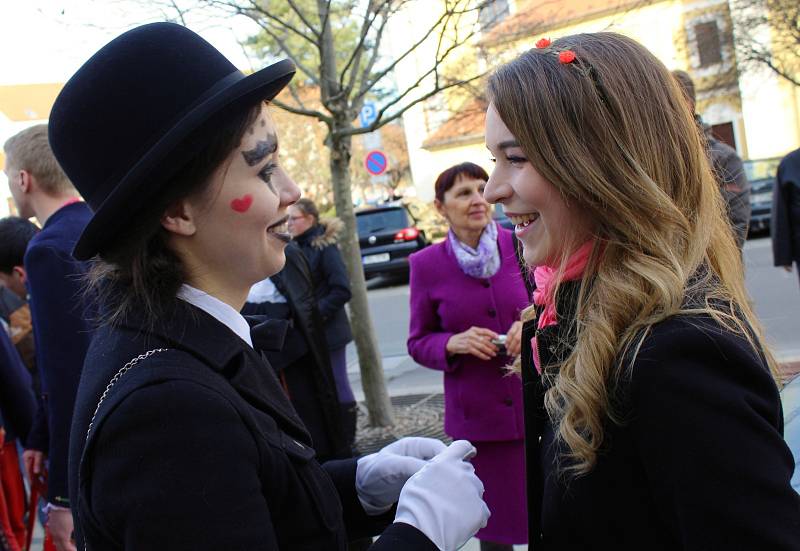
(183, 437)
(653, 419)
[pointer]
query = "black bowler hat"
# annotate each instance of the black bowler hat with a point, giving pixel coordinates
(121, 125)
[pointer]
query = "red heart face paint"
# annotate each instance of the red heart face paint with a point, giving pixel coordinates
(242, 204)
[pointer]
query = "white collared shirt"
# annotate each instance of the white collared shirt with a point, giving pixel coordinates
(220, 311)
(265, 291)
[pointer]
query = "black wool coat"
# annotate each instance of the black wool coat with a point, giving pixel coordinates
(699, 462)
(310, 380)
(785, 217)
(198, 448)
(331, 282)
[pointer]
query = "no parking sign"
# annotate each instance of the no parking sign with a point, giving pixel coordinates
(376, 162)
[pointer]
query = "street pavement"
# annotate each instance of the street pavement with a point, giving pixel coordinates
(775, 294)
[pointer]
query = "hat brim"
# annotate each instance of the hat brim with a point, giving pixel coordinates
(165, 156)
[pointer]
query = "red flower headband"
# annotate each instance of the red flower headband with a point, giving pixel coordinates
(565, 57)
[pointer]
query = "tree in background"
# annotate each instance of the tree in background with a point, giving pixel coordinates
(768, 35)
(337, 46)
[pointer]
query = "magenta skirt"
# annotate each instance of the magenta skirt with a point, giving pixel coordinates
(501, 468)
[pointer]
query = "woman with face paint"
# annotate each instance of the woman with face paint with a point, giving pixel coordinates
(182, 436)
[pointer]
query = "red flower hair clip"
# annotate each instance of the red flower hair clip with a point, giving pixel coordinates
(567, 56)
(543, 43)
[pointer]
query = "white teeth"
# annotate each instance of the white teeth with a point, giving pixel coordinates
(282, 228)
(523, 219)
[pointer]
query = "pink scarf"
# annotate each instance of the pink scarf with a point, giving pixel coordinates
(544, 295)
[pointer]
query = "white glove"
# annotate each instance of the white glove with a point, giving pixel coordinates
(380, 476)
(444, 499)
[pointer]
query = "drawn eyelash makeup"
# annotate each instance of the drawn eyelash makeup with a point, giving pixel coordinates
(266, 175)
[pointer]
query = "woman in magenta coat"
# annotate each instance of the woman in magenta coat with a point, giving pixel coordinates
(466, 292)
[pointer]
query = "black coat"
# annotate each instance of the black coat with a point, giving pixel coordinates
(785, 229)
(198, 448)
(732, 180)
(699, 463)
(308, 377)
(331, 282)
(17, 401)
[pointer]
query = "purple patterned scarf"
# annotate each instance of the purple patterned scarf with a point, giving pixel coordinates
(482, 262)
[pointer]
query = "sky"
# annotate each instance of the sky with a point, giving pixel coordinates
(48, 40)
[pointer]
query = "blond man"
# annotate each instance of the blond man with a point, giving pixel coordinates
(60, 323)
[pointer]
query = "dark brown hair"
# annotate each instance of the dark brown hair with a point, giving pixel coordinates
(449, 177)
(139, 271)
(686, 84)
(308, 207)
(15, 234)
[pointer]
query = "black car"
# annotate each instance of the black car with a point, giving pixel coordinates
(387, 235)
(761, 175)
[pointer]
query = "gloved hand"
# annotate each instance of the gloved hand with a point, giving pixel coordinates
(444, 499)
(380, 476)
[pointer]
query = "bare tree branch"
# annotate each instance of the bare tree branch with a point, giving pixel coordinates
(303, 18)
(285, 49)
(254, 8)
(358, 51)
(305, 112)
(381, 121)
(370, 82)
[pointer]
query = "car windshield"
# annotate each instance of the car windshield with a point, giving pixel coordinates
(379, 220)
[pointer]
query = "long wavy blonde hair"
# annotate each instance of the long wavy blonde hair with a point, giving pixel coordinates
(613, 133)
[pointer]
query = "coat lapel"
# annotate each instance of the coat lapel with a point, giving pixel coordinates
(196, 332)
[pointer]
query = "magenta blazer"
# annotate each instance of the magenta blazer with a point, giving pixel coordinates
(482, 401)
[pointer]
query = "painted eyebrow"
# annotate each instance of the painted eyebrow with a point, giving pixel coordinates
(261, 151)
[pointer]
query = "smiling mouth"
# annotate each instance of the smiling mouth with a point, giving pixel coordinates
(523, 220)
(280, 230)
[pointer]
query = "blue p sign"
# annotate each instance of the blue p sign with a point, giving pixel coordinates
(369, 112)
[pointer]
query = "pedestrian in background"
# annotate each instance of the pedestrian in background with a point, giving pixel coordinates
(303, 362)
(15, 234)
(61, 326)
(318, 240)
(726, 164)
(183, 437)
(17, 410)
(465, 293)
(653, 419)
(785, 225)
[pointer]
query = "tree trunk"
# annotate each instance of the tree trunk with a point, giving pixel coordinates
(369, 358)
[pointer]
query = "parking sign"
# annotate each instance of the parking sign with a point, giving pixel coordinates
(369, 112)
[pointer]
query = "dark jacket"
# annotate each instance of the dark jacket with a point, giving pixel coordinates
(699, 462)
(732, 181)
(785, 229)
(17, 401)
(198, 448)
(308, 376)
(61, 329)
(330, 278)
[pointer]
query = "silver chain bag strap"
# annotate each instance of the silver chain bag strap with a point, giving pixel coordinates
(125, 368)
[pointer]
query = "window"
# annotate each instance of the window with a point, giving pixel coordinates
(724, 133)
(492, 13)
(381, 220)
(709, 47)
